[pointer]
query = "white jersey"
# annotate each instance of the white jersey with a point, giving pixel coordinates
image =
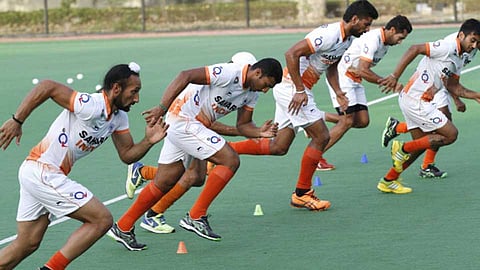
(442, 59)
(369, 47)
(327, 43)
(224, 93)
(467, 57)
(78, 131)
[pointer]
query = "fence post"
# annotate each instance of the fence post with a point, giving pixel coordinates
(247, 12)
(45, 15)
(143, 16)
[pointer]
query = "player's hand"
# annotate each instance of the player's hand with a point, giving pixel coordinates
(9, 130)
(269, 129)
(299, 99)
(155, 131)
(388, 83)
(153, 114)
(342, 100)
(461, 107)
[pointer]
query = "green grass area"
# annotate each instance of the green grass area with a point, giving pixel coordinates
(435, 227)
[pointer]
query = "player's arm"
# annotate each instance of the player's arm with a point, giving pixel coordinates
(390, 82)
(196, 76)
(292, 57)
(247, 127)
(223, 129)
(12, 128)
(130, 152)
(332, 78)
(453, 86)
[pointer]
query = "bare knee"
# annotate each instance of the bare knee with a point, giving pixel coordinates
(104, 221)
(195, 180)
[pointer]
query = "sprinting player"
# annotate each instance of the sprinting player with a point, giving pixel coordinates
(196, 98)
(154, 219)
(87, 121)
(355, 66)
(393, 127)
(428, 126)
(306, 60)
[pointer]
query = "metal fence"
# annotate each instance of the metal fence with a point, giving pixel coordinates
(61, 17)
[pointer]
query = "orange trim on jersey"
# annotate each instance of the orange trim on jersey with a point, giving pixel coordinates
(107, 103)
(342, 30)
(427, 47)
(71, 107)
(244, 75)
(177, 104)
(247, 108)
(410, 82)
(123, 131)
(354, 77)
(310, 45)
(38, 150)
(207, 75)
(456, 76)
(382, 35)
(459, 46)
(310, 77)
(366, 59)
(66, 165)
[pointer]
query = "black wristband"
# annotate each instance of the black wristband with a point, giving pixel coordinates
(16, 120)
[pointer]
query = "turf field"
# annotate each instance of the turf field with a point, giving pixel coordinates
(435, 227)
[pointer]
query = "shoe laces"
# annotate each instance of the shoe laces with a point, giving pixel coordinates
(432, 168)
(312, 195)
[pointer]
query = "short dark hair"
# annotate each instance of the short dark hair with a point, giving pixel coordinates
(400, 23)
(362, 8)
(470, 26)
(271, 68)
(118, 74)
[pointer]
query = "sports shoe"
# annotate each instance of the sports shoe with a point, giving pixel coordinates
(393, 187)
(432, 172)
(200, 227)
(398, 156)
(127, 239)
(134, 179)
(309, 201)
(156, 224)
(390, 131)
(323, 165)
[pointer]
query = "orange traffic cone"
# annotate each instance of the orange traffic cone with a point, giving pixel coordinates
(181, 248)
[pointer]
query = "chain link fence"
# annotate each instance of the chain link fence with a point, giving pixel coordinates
(67, 17)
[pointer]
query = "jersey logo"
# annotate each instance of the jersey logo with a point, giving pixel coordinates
(425, 77)
(447, 72)
(436, 44)
(217, 71)
(236, 80)
(318, 41)
(84, 98)
(436, 120)
(365, 48)
(196, 98)
(214, 139)
(79, 195)
(63, 139)
(346, 58)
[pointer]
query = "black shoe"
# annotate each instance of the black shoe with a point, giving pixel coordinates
(200, 227)
(127, 239)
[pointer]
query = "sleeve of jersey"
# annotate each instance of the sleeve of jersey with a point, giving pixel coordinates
(220, 75)
(122, 123)
(369, 47)
(320, 39)
(439, 49)
(252, 102)
(83, 105)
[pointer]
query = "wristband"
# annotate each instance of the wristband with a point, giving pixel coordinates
(300, 92)
(165, 109)
(393, 76)
(16, 120)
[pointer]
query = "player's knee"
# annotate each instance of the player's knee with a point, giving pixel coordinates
(197, 181)
(279, 150)
(104, 222)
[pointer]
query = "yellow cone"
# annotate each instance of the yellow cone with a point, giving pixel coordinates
(258, 210)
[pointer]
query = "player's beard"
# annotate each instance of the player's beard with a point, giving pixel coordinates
(118, 103)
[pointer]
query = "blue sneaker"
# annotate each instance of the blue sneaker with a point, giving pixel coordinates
(134, 179)
(156, 224)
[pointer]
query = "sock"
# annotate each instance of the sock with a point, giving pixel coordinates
(151, 213)
(310, 159)
(146, 199)
(216, 181)
(169, 198)
(391, 175)
(401, 127)
(57, 262)
(148, 172)
(252, 146)
(429, 158)
(415, 145)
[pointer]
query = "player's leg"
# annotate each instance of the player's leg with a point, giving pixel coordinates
(304, 195)
(154, 219)
(29, 236)
(227, 163)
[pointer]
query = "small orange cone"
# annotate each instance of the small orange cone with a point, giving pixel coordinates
(181, 248)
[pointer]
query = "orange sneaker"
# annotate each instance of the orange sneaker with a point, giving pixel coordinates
(309, 201)
(323, 165)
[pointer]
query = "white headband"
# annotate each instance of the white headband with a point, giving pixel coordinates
(134, 67)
